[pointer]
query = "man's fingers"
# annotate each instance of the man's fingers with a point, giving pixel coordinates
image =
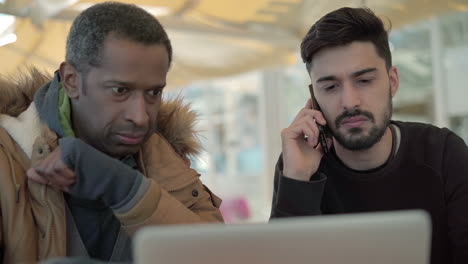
(306, 121)
(53, 166)
(55, 180)
(314, 126)
(304, 129)
(58, 174)
(69, 174)
(317, 116)
(314, 134)
(52, 174)
(61, 169)
(52, 171)
(308, 104)
(61, 181)
(34, 176)
(312, 114)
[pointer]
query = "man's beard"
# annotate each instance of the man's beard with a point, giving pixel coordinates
(354, 139)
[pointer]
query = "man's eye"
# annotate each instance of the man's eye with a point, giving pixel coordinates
(119, 90)
(329, 87)
(364, 81)
(154, 92)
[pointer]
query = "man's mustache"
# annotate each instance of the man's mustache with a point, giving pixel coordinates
(352, 113)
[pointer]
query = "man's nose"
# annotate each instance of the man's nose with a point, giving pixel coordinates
(137, 111)
(350, 97)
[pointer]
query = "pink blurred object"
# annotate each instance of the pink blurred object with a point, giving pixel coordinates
(235, 209)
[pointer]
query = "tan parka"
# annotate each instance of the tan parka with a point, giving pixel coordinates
(32, 216)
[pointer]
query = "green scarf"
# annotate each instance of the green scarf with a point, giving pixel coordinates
(64, 111)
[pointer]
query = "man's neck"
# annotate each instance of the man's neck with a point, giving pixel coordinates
(367, 159)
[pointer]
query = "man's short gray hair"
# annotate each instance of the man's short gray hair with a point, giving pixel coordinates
(89, 30)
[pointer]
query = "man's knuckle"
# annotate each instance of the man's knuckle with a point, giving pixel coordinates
(40, 170)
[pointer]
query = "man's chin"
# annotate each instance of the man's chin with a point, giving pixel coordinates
(122, 151)
(358, 145)
(358, 139)
(355, 131)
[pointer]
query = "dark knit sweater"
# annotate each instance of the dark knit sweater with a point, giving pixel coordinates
(429, 171)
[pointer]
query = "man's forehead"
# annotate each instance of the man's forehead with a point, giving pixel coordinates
(127, 57)
(345, 60)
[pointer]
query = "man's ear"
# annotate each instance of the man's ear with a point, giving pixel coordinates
(70, 79)
(394, 80)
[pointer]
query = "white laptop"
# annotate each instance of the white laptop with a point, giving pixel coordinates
(391, 237)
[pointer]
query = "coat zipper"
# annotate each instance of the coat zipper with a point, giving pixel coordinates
(47, 233)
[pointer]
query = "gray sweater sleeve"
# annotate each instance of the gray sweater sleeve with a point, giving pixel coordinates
(296, 198)
(101, 177)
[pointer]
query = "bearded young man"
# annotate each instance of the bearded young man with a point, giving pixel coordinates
(97, 154)
(373, 163)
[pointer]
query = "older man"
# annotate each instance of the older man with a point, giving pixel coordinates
(82, 166)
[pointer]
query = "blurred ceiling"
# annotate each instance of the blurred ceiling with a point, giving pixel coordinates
(211, 38)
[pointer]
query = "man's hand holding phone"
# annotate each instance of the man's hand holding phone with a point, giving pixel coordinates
(301, 151)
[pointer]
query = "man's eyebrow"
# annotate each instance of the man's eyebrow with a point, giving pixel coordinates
(114, 82)
(354, 74)
(364, 71)
(159, 86)
(326, 78)
(130, 84)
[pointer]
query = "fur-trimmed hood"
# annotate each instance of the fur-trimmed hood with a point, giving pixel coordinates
(175, 122)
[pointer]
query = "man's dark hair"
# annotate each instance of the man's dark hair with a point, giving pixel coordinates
(89, 30)
(343, 26)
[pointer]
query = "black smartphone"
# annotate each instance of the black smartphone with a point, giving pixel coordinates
(324, 131)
